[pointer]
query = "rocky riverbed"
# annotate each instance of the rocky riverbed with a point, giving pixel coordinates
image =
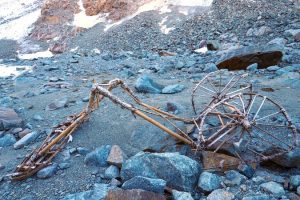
(117, 156)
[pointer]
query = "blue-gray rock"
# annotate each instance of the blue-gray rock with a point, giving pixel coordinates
(273, 68)
(112, 172)
(210, 67)
(298, 190)
(295, 181)
(64, 165)
(252, 67)
(98, 157)
(234, 178)
(98, 193)
(7, 140)
(82, 150)
(278, 41)
(246, 170)
(28, 197)
(209, 181)
(47, 171)
(27, 139)
(281, 71)
(172, 89)
(145, 84)
(180, 172)
(220, 194)
(144, 183)
(257, 197)
(9, 119)
(157, 140)
(290, 159)
(273, 188)
(178, 195)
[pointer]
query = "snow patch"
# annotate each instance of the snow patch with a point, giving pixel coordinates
(84, 21)
(164, 29)
(31, 56)
(8, 70)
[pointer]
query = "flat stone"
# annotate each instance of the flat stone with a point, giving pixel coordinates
(47, 172)
(98, 157)
(145, 84)
(241, 58)
(64, 165)
(209, 181)
(134, 194)
(180, 172)
(112, 172)
(220, 194)
(257, 197)
(172, 89)
(178, 195)
(144, 183)
(98, 193)
(7, 140)
(116, 156)
(27, 139)
(9, 119)
(273, 188)
(57, 104)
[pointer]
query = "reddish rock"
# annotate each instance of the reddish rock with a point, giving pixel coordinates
(58, 48)
(133, 195)
(9, 119)
(241, 58)
(116, 156)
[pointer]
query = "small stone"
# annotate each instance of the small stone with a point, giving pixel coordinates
(27, 197)
(278, 41)
(220, 194)
(252, 67)
(273, 68)
(178, 195)
(257, 197)
(148, 184)
(7, 140)
(295, 181)
(24, 132)
(134, 194)
(112, 172)
(210, 67)
(38, 117)
(27, 139)
(209, 181)
(15, 131)
(64, 165)
(98, 157)
(85, 99)
(281, 71)
(234, 178)
(246, 170)
(145, 84)
(172, 89)
(115, 182)
(273, 188)
(213, 45)
(57, 104)
(298, 190)
(82, 151)
(47, 172)
(53, 79)
(116, 156)
(263, 31)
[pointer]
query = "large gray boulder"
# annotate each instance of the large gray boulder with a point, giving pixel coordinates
(241, 58)
(180, 172)
(9, 119)
(98, 157)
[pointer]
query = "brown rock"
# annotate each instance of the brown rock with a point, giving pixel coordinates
(9, 119)
(218, 161)
(58, 48)
(116, 156)
(24, 132)
(133, 195)
(241, 58)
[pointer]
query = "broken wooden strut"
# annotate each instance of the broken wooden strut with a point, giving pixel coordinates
(236, 120)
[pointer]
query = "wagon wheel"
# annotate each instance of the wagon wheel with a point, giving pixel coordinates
(258, 131)
(217, 85)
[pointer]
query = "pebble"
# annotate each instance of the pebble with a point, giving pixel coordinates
(209, 181)
(144, 183)
(178, 195)
(116, 156)
(47, 172)
(295, 181)
(273, 188)
(112, 172)
(27, 139)
(220, 194)
(145, 84)
(172, 89)
(234, 178)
